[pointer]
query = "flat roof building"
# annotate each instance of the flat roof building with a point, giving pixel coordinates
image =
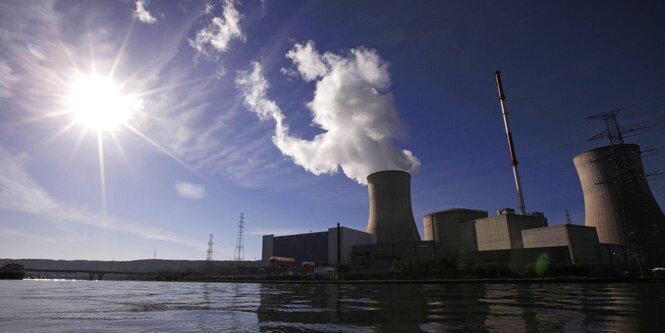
(504, 231)
(318, 247)
(582, 241)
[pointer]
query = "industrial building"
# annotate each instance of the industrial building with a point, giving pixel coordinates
(507, 237)
(321, 248)
(507, 234)
(452, 229)
(582, 242)
(619, 203)
(385, 253)
(504, 231)
(623, 221)
(390, 221)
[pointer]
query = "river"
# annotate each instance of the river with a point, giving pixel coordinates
(127, 306)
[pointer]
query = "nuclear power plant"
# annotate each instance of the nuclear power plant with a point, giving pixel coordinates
(622, 219)
(624, 226)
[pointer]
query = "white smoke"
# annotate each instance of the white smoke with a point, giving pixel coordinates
(350, 105)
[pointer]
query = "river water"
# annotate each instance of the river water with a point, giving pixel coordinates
(127, 306)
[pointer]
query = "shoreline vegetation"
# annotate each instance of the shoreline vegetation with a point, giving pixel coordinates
(397, 271)
(436, 281)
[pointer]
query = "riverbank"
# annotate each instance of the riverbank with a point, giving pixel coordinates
(238, 279)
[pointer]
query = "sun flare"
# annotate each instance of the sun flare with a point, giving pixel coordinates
(97, 103)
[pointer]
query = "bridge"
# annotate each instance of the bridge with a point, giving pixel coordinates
(99, 274)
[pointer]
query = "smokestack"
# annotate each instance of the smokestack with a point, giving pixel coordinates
(511, 145)
(390, 214)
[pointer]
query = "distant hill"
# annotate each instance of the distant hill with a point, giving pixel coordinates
(143, 266)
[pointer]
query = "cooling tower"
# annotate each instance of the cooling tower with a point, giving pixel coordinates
(612, 201)
(390, 214)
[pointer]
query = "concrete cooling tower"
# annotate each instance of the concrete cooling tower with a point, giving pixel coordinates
(614, 199)
(390, 214)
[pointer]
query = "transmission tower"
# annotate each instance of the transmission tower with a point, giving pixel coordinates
(568, 219)
(625, 179)
(210, 251)
(612, 130)
(239, 254)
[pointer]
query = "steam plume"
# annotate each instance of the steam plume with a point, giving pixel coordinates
(358, 118)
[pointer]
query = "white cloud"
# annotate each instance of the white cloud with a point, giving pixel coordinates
(359, 122)
(21, 193)
(190, 191)
(220, 31)
(308, 61)
(143, 14)
(208, 9)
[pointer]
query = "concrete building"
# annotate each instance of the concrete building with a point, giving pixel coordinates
(582, 242)
(385, 253)
(504, 231)
(390, 213)
(348, 238)
(521, 257)
(618, 201)
(452, 229)
(318, 247)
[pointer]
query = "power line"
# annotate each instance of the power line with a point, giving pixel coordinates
(568, 219)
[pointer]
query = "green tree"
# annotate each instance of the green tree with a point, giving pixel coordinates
(465, 260)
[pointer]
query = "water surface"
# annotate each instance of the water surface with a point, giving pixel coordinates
(127, 306)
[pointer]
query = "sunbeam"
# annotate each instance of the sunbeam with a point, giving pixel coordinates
(121, 51)
(122, 151)
(48, 115)
(102, 174)
(162, 149)
(173, 86)
(62, 131)
(79, 140)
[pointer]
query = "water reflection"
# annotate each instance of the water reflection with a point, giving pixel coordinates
(469, 307)
(86, 306)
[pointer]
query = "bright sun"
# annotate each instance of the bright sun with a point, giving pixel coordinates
(98, 104)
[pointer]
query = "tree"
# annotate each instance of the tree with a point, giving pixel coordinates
(465, 260)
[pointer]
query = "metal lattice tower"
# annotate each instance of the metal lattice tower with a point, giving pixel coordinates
(210, 251)
(239, 254)
(626, 179)
(612, 131)
(568, 219)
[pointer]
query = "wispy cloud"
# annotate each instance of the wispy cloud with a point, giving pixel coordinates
(190, 191)
(16, 233)
(7, 77)
(220, 31)
(21, 193)
(208, 8)
(279, 231)
(142, 14)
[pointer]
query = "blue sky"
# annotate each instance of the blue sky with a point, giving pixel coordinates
(279, 109)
